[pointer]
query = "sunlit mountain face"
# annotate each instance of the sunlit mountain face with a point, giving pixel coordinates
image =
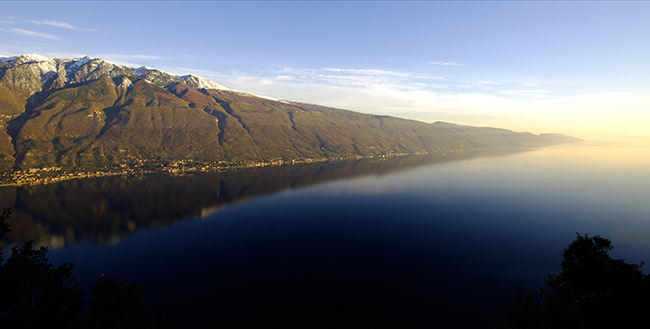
(93, 114)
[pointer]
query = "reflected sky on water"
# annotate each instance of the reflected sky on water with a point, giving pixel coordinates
(415, 242)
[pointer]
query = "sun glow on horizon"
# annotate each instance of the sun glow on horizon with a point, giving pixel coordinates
(611, 116)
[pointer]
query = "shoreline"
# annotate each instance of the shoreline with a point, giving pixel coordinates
(44, 176)
(49, 175)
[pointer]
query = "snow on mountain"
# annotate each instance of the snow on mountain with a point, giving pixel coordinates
(79, 70)
(139, 71)
(39, 65)
(125, 83)
(8, 59)
(36, 57)
(48, 69)
(26, 58)
(201, 83)
(78, 63)
(271, 98)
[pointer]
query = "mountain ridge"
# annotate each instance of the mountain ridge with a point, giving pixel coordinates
(90, 113)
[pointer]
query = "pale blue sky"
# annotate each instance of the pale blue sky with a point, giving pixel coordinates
(580, 68)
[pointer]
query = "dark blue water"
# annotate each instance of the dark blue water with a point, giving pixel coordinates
(433, 245)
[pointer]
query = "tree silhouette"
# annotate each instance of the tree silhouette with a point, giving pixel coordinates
(33, 292)
(115, 304)
(593, 291)
(36, 294)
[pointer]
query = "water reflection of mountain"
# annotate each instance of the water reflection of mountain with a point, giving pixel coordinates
(105, 209)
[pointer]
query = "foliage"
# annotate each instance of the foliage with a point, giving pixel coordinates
(4, 227)
(115, 304)
(36, 294)
(593, 291)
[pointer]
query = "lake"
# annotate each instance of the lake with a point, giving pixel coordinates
(417, 241)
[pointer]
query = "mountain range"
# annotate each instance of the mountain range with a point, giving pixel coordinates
(89, 113)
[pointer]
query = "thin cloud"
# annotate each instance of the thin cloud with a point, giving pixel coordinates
(485, 82)
(9, 20)
(359, 78)
(446, 63)
(366, 72)
(285, 77)
(132, 56)
(32, 34)
(209, 74)
(504, 104)
(55, 23)
(61, 25)
(411, 95)
(526, 93)
(539, 111)
(481, 84)
(131, 60)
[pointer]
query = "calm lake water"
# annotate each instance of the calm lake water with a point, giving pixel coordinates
(407, 242)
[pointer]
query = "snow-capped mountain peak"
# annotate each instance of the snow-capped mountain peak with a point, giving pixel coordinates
(78, 63)
(25, 58)
(139, 71)
(43, 73)
(202, 83)
(36, 57)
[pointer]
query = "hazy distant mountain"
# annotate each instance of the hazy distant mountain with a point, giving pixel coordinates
(91, 112)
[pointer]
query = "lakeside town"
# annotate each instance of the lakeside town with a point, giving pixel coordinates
(48, 175)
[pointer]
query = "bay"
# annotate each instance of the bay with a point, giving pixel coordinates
(417, 241)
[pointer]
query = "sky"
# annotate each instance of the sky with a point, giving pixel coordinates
(580, 68)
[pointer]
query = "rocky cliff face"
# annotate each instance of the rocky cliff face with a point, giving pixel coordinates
(88, 113)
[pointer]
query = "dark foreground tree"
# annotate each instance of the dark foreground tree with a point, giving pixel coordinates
(33, 292)
(36, 294)
(115, 304)
(593, 291)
